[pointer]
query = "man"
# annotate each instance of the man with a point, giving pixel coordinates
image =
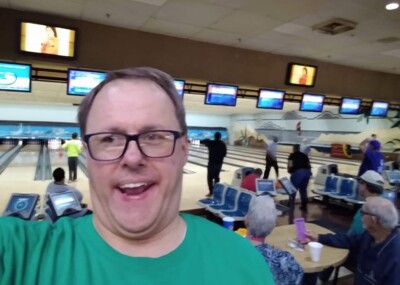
(135, 136)
(373, 159)
(73, 148)
(370, 184)
(300, 169)
(377, 249)
(270, 158)
(216, 154)
(249, 181)
(59, 186)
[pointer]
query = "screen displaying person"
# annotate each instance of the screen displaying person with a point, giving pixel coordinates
(50, 42)
(303, 77)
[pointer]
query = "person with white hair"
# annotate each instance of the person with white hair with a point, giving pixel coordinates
(260, 221)
(377, 249)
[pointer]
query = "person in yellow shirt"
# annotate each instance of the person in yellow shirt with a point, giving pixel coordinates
(73, 148)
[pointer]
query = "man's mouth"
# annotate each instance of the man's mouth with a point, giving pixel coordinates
(133, 189)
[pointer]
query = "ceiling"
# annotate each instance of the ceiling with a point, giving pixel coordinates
(282, 27)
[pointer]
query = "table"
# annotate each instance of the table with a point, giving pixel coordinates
(330, 256)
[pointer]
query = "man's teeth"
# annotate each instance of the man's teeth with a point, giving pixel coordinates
(133, 185)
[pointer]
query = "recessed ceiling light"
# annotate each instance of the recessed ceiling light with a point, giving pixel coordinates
(392, 5)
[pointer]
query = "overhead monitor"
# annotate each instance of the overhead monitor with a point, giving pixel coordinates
(350, 106)
(301, 74)
(65, 203)
(21, 205)
(265, 187)
(379, 109)
(312, 102)
(15, 77)
(49, 40)
(219, 94)
(270, 99)
(180, 87)
(80, 82)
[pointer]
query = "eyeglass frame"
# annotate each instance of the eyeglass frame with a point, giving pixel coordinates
(129, 138)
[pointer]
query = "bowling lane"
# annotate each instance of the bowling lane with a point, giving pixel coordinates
(23, 166)
(256, 157)
(19, 176)
(5, 147)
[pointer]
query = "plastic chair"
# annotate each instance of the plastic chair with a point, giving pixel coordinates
(324, 171)
(347, 188)
(231, 196)
(241, 208)
(217, 198)
(332, 184)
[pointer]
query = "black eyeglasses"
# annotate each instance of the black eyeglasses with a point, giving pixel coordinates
(363, 213)
(107, 146)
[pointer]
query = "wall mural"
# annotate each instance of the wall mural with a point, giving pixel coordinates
(322, 128)
(47, 130)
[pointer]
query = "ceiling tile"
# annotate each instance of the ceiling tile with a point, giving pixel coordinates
(229, 3)
(117, 17)
(192, 12)
(56, 7)
(245, 23)
(170, 28)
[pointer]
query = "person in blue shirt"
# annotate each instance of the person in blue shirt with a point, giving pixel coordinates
(373, 159)
(260, 221)
(377, 249)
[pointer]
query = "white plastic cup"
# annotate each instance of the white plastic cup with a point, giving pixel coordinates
(315, 250)
(228, 222)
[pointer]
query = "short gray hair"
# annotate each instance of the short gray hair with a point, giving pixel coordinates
(384, 210)
(261, 217)
(162, 79)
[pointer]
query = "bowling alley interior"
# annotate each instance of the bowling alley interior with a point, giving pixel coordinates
(322, 75)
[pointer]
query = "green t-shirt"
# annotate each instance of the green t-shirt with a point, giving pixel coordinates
(73, 148)
(72, 252)
(357, 226)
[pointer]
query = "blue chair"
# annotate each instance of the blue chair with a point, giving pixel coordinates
(347, 188)
(241, 209)
(332, 184)
(229, 203)
(217, 198)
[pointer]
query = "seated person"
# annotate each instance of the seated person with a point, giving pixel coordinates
(59, 186)
(260, 221)
(370, 184)
(377, 249)
(249, 181)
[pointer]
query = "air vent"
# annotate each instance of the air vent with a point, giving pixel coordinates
(388, 40)
(335, 26)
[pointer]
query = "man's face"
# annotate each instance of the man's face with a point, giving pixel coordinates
(362, 187)
(135, 196)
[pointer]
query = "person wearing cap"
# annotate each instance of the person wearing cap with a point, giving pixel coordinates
(377, 249)
(370, 184)
(373, 159)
